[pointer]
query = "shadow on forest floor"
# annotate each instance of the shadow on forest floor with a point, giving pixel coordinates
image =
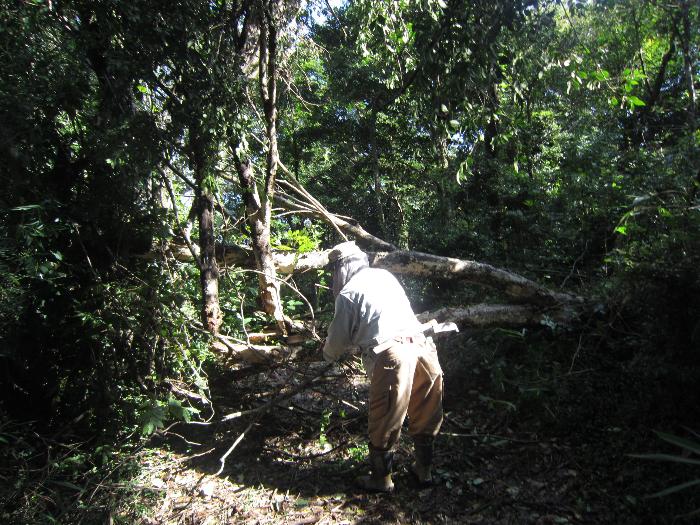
(548, 450)
(535, 432)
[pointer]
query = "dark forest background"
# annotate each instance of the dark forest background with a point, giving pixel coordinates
(556, 139)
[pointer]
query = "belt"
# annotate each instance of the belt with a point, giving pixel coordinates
(403, 339)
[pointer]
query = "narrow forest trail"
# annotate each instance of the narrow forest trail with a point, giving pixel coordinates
(559, 456)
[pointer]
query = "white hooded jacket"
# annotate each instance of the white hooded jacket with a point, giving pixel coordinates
(370, 308)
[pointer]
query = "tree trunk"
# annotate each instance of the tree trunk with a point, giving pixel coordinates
(261, 214)
(258, 217)
(513, 285)
(447, 207)
(374, 156)
(492, 315)
(209, 269)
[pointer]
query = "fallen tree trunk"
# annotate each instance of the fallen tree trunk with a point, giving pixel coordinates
(427, 265)
(417, 263)
(405, 262)
(249, 353)
(493, 315)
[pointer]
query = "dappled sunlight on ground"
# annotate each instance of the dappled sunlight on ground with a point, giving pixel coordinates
(558, 458)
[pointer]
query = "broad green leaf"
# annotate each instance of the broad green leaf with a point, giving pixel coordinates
(636, 101)
(152, 419)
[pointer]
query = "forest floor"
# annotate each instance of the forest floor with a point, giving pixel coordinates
(551, 448)
(527, 438)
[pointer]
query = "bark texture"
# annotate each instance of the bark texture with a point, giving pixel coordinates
(208, 267)
(491, 315)
(258, 216)
(424, 264)
(258, 203)
(209, 270)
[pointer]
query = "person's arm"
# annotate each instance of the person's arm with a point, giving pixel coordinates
(340, 330)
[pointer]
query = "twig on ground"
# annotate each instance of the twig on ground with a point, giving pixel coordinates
(222, 459)
(168, 432)
(280, 397)
(482, 435)
(187, 458)
(578, 350)
(492, 436)
(263, 410)
(309, 456)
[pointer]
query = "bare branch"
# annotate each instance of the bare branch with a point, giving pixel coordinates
(183, 231)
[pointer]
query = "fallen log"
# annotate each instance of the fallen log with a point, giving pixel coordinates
(472, 316)
(403, 262)
(427, 265)
(494, 315)
(250, 353)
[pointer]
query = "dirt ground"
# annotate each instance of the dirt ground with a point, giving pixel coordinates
(527, 439)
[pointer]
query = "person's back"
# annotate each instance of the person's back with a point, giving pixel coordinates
(382, 309)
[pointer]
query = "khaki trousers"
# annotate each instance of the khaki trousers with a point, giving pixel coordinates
(406, 380)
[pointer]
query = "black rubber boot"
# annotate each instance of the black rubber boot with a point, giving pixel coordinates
(422, 466)
(381, 462)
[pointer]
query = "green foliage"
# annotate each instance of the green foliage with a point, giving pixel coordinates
(359, 453)
(154, 416)
(325, 422)
(556, 139)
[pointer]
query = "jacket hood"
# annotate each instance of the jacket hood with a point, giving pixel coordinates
(346, 268)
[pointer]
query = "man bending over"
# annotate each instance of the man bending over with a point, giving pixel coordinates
(372, 312)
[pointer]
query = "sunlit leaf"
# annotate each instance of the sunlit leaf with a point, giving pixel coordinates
(636, 101)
